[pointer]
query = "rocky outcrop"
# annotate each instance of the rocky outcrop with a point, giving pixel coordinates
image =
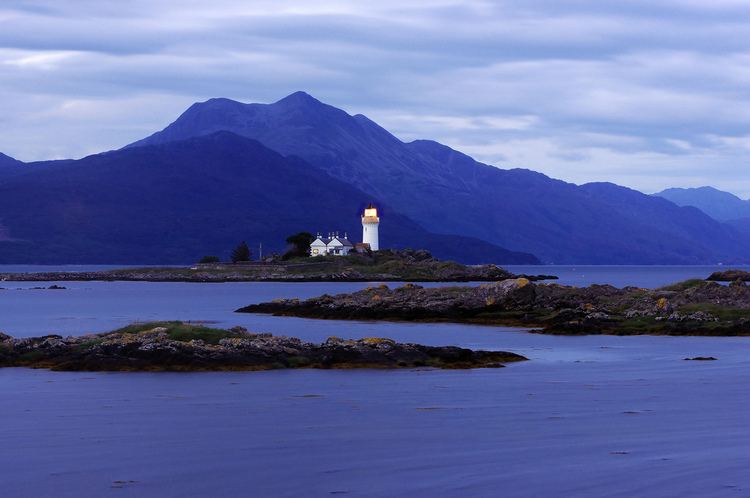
(694, 307)
(730, 276)
(184, 347)
(408, 302)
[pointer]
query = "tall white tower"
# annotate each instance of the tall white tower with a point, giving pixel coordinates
(370, 222)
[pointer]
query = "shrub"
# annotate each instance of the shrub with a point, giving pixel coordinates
(299, 245)
(209, 259)
(241, 253)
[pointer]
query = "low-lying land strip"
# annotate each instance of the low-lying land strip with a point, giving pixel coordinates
(381, 266)
(178, 346)
(693, 307)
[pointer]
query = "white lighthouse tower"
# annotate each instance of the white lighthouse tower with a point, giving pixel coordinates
(370, 222)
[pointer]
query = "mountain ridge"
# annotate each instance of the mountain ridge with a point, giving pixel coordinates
(446, 191)
(302, 149)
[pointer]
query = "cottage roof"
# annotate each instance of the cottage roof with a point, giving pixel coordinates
(333, 239)
(344, 241)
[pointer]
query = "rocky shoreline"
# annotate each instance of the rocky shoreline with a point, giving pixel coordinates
(382, 266)
(694, 307)
(177, 346)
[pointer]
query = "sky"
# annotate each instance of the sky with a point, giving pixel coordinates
(647, 94)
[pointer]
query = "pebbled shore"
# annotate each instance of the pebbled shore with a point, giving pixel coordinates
(177, 346)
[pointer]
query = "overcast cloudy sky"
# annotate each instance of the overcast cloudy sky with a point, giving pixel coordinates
(647, 93)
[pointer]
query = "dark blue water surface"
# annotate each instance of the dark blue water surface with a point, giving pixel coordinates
(587, 416)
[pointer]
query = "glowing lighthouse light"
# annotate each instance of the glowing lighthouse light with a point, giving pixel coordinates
(370, 222)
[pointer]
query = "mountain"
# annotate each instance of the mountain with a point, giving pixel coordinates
(718, 204)
(9, 166)
(177, 201)
(448, 192)
(7, 161)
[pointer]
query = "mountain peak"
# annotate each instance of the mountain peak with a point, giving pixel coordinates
(218, 102)
(299, 98)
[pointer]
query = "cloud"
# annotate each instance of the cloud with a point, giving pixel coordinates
(649, 94)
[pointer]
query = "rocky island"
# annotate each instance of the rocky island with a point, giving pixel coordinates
(382, 266)
(730, 276)
(693, 307)
(178, 346)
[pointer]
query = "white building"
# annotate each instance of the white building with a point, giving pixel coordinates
(370, 222)
(319, 246)
(341, 246)
(334, 245)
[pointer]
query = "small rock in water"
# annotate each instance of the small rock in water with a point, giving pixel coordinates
(122, 484)
(701, 358)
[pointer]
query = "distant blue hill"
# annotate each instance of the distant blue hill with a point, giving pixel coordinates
(720, 205)
(177, 201)
(445, 191)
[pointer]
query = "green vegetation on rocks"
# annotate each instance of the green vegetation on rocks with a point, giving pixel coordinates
(181, 331)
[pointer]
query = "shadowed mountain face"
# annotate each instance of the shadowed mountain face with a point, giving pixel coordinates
(720, 205)
(448, 192)
(178, 201)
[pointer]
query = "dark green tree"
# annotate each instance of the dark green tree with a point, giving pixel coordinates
(209, 259)
(241, 253)
(299, 245)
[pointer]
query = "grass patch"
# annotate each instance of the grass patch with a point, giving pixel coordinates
(180, 331)
(31, 356)
(724, 313)
(684, 285)
(85, 345)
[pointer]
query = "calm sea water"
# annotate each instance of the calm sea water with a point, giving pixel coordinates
(587, 416)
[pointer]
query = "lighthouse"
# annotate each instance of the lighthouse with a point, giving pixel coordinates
(370, 222)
